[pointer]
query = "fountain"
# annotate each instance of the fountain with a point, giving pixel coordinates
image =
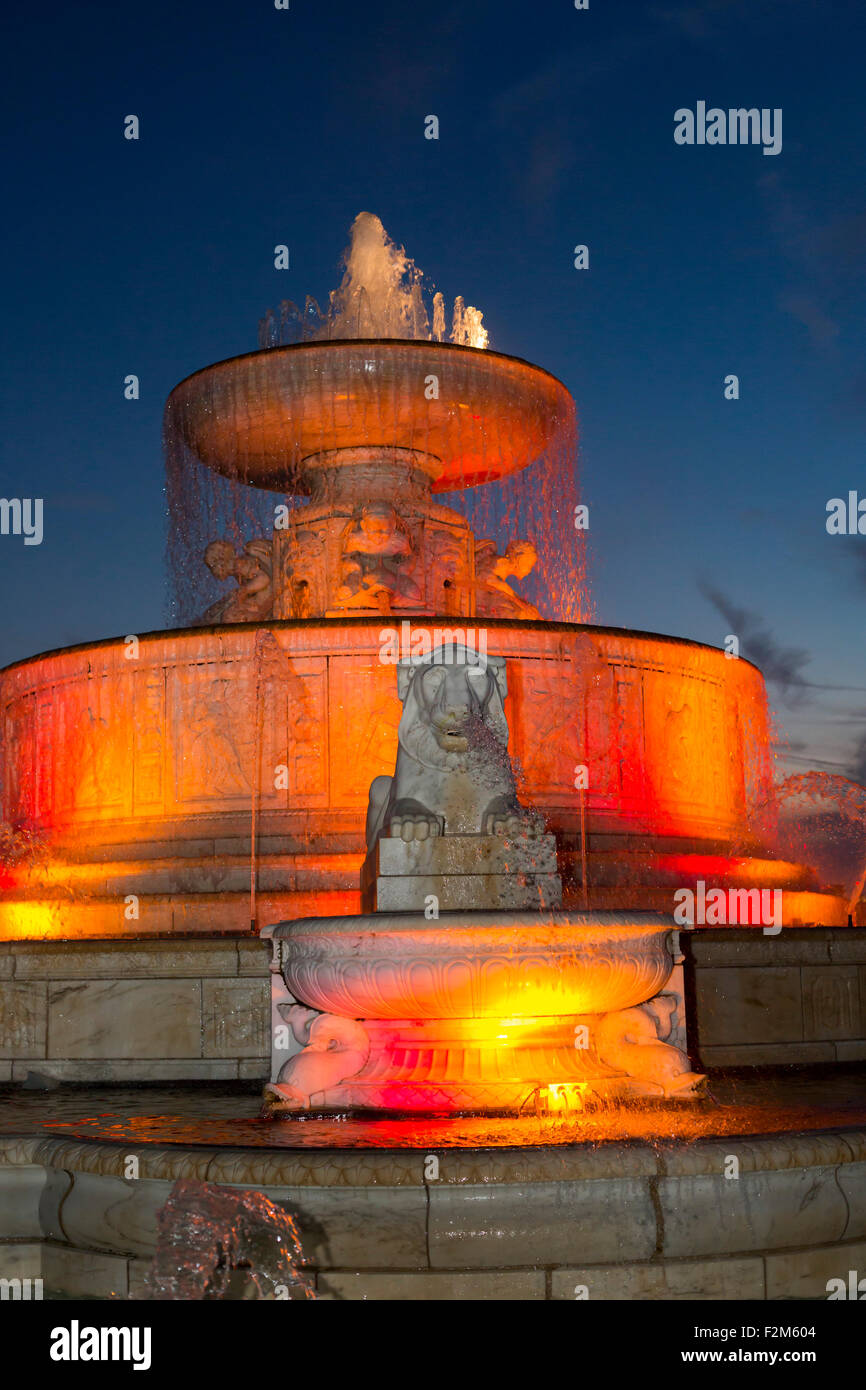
(203, 771)
(387, 779)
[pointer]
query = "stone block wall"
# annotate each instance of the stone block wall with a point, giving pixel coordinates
(795, 998)
(154, 1010)
(619, 1221)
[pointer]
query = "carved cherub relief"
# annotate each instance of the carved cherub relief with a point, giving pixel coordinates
(377, 558)
(494, 596)
(253, 570)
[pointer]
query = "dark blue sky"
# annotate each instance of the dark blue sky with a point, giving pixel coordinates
(261, 126)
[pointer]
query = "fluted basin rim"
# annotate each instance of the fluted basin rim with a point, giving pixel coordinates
(476, 964)
(605, 925)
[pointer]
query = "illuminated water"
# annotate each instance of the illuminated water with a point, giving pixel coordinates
(213, 1241)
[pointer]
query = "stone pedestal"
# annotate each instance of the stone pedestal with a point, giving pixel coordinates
(458, 872)
(372, 540)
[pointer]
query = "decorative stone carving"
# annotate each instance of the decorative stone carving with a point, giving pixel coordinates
(484, 1012)
(304, 566)
(447, 564)
(494, 596)
(215, 758)
(475, 964)
(630, 1041)
(377, 557)
(253, 569)
(334, 1050)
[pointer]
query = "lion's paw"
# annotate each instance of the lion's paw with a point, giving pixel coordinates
(414, 827)
(513, 824)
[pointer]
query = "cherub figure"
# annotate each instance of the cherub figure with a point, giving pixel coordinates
(253, 569)
(377, 550)
(494, 596)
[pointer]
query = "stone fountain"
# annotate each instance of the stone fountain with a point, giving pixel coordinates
(459, 827)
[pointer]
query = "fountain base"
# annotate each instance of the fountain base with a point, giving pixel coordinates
(487, 1066)
(478, 1012)
(628, 1203)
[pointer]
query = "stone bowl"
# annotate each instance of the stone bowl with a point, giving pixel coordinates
(476, 964)
(264, 417)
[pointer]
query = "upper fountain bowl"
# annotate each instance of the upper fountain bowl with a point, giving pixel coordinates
(266, 417)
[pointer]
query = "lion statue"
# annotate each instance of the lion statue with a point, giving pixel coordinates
(453, 775)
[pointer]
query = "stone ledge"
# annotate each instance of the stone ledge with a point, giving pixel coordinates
(669, 1281)
(481, 1170)
(787, 1275)
(367, 1220)
(98, 1069)
(100, 958)
(743, 946)
(803, 1274)
(769, 1054)
(757, 1154)
(439, 1286)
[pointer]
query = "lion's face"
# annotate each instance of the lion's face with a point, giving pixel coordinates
(450, 703)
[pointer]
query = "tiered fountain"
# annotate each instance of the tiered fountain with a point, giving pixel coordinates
(459, 823)
(142, 767)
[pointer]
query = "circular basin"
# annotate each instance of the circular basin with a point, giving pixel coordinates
(476, 964)
(257, 418)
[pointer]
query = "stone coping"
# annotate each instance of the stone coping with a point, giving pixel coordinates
(361, 1168)
(169, 955)
(734, 946)
(334, 625)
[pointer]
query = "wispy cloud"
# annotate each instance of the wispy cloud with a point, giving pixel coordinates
(783, 666)
(825, 257)
(857, 769)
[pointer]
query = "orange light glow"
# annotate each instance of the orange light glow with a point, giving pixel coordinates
(137, 777)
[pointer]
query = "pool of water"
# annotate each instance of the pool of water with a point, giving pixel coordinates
(227, 1116)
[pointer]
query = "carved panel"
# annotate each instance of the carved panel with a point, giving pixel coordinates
(549, 724)
(93, 746)
(364, 712)
(831, 1004)
(18, 765)
(235, 1018)
(149, 740)
(301, 690)
(22, 1019)
(213, 714)
(627, 742)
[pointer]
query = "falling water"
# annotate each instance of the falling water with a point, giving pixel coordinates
(834, 840)
(218, 1242)
(382, 295)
